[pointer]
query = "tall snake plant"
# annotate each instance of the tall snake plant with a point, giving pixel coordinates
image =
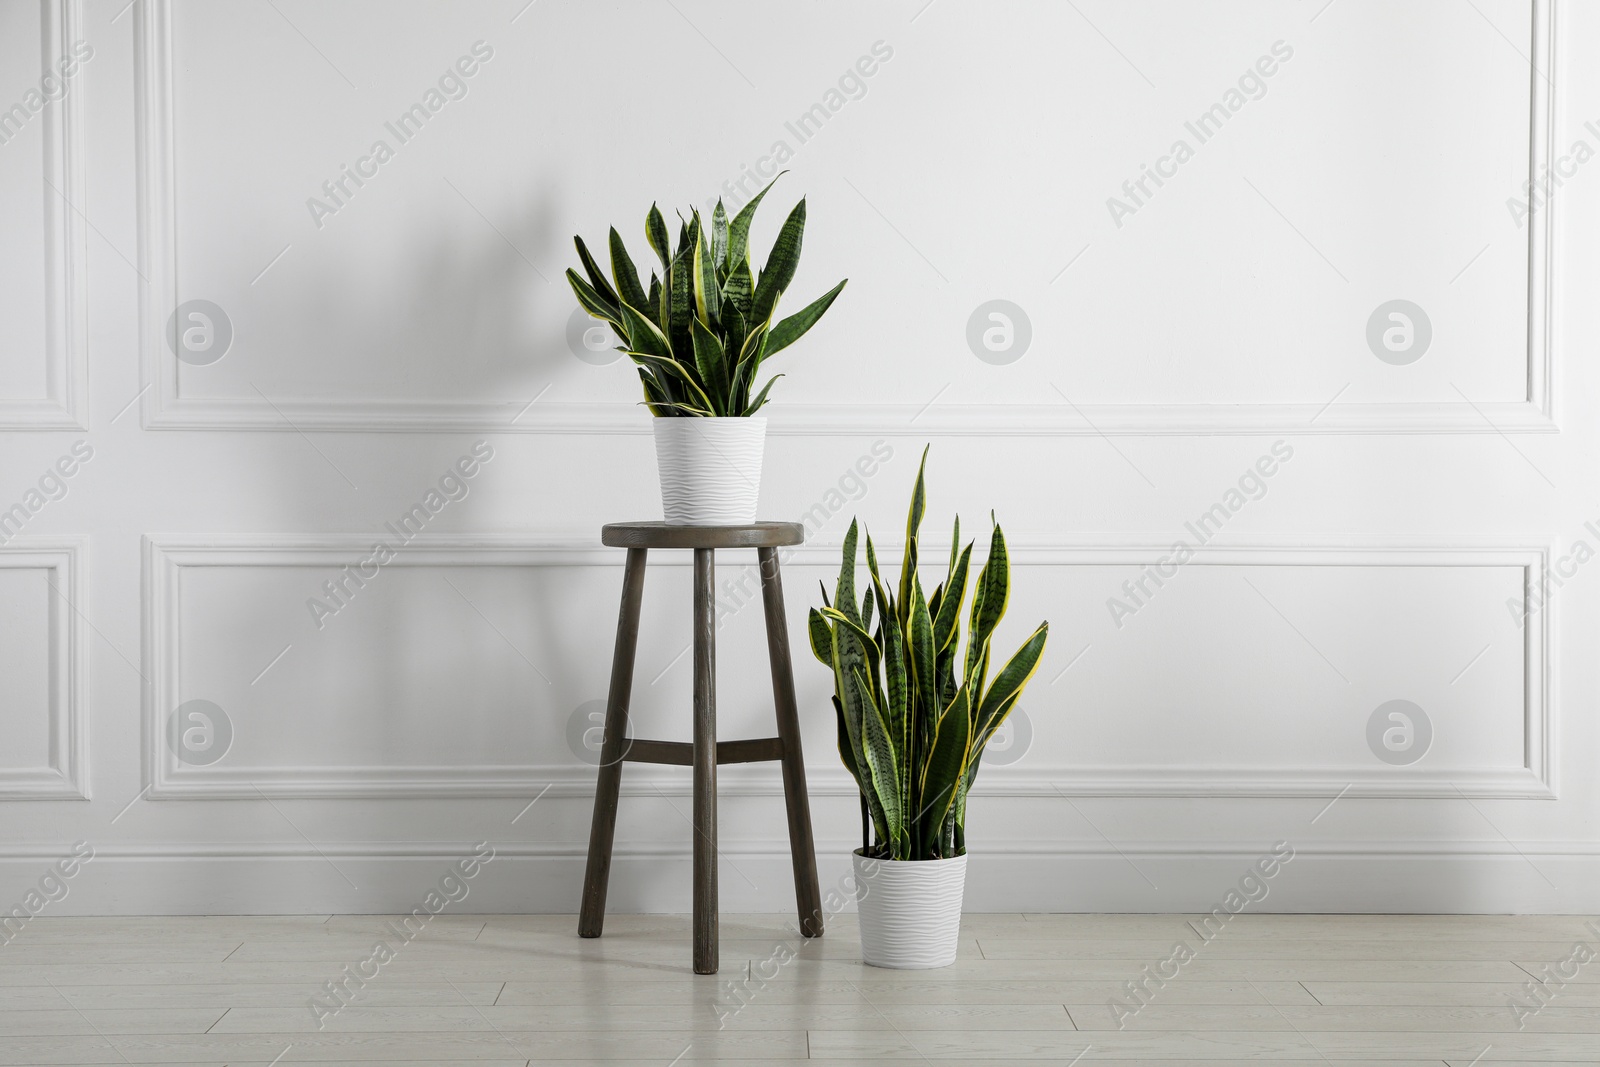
(914, 714)
(702, 329)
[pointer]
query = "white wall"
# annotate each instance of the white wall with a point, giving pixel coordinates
(1176, 340)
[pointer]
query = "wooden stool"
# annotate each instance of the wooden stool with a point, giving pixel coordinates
(706, 752)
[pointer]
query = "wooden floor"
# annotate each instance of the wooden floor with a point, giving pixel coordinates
(1395, 991)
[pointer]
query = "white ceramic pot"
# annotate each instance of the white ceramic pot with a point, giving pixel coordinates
(910, 910)
(710, 469)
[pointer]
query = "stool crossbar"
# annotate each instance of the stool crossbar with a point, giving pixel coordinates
(705, 753)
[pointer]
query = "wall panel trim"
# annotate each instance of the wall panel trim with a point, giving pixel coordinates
(167, 556)
(164, 407)
(64, 405)
(66, 776)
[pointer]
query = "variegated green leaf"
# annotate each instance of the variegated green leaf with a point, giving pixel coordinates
(844, 593)
(988, 607)
(737, 289)
(1009, 682)
(655, 231)
(821, 636)
(597, 277)
(594, 304)
(625, 276)
(879, 758)
(713, 365)
(949, 611)
(779, 269)
(919, 502)
(719, 241)
(644, 335)
(707, 289)
(759, 401)
(791, 329)
(739, 229)
(946, 766)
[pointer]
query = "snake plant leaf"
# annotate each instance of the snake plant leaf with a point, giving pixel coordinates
(844, 592)
(1009, 682)
(821, 635)
(919, 502)
(755, 345)
(948, 615)
(712, 363)
(988, 605)
(655, 231)
(922, 666)
(597, 277)
(688, 410)
(759, 401)
(740, 392)
(734, 328)
(644, 335)
(739, 229)
(719, 240)
(897, 686)
(779, 269)
(834, 615)
(847, 754)
(791, 329)
(596, 305)
(653, 299)
(848, 659)
(626, 277)
(681, 308)
(737, 289)
(654, 394)
(879, 758)
(885, 601)
(946, 766)
(707, 289)
(866, 610)
(668, 368)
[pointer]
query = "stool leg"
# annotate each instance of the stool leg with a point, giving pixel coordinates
(592, 913)
(807, 894)
(705, 763)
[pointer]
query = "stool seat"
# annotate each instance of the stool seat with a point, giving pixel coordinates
(706, 752)
(669, 535)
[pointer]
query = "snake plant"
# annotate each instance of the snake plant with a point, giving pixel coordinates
(914, 713)
(701, 330)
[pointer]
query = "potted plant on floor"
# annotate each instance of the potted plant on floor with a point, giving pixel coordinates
(699, 334)
(914, 714)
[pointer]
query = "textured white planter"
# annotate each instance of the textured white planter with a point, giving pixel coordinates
(910, 910)
(710, 469)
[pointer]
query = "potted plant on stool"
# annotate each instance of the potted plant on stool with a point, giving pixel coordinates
(699, 334)
(914, 716)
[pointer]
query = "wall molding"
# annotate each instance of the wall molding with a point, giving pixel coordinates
(1442, 876)
(166, 556)
(778, 848)
(66, 776)
(64, 405)
(164, 407)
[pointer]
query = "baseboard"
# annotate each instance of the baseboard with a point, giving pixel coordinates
(1433, 877)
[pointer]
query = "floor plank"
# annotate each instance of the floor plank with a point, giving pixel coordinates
(1301, 990)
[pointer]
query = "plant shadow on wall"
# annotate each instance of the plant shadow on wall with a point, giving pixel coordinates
(356, 630)
(464, 300)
